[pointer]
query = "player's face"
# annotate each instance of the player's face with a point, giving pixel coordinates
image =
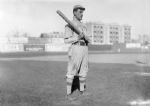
(79, 14)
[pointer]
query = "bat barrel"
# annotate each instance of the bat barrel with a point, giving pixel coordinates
(68, 21)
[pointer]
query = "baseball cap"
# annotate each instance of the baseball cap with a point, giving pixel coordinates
(78, 7)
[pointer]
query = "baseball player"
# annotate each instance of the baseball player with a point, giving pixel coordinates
(78, 51)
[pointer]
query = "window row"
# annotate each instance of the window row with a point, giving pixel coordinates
(127, 33)
(98, 32)
(115, 28)
(127, 28)
(95, 26)
(98, 36)
(113, 32)
(98, 41)
(114, 37)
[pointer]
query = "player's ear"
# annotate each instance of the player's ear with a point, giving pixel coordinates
(75, 11)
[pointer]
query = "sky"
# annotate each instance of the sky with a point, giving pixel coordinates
(39, 16)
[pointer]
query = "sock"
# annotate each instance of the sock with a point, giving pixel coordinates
(82, 83)
(69, 85)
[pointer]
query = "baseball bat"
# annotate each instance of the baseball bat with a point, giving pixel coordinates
(69, 22)
(81, 34)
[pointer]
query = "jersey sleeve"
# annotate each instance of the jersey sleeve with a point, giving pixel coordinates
(69, 35)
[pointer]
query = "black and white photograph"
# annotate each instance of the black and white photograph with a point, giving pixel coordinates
(74, 53)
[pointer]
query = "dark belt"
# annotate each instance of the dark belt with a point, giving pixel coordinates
(81, 43)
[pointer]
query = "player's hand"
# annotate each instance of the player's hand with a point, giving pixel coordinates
(81, 35)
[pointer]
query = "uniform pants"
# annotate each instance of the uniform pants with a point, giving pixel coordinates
(77, 65)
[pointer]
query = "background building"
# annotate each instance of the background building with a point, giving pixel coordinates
(113, 33)
(54, 37)
(96, 32)
(126, 34)
(101, 33)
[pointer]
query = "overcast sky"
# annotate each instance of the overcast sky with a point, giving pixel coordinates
(37, 16)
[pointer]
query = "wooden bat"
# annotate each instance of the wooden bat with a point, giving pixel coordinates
(81, 34)
(69, 22)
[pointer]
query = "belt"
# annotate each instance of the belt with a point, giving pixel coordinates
(81, 43)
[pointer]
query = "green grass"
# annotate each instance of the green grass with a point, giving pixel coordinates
(42, 83)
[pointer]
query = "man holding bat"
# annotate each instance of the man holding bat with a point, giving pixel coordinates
(78, 51)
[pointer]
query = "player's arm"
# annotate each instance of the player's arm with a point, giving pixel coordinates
(84, 34)
(86, 37)
(69, 38)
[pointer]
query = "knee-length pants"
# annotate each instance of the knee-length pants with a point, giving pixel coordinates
(78, 61)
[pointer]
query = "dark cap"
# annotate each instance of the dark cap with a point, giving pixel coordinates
(78, 7)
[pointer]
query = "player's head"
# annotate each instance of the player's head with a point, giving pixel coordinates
(78, 11)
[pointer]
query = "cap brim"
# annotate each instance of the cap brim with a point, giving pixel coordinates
(82, 8)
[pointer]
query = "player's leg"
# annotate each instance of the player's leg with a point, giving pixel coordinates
(69, 76)
(69, 81)
(82, 83)
(69, 84)
(83, 70)
(73, 66)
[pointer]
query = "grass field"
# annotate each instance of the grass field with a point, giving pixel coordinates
(42, 83)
